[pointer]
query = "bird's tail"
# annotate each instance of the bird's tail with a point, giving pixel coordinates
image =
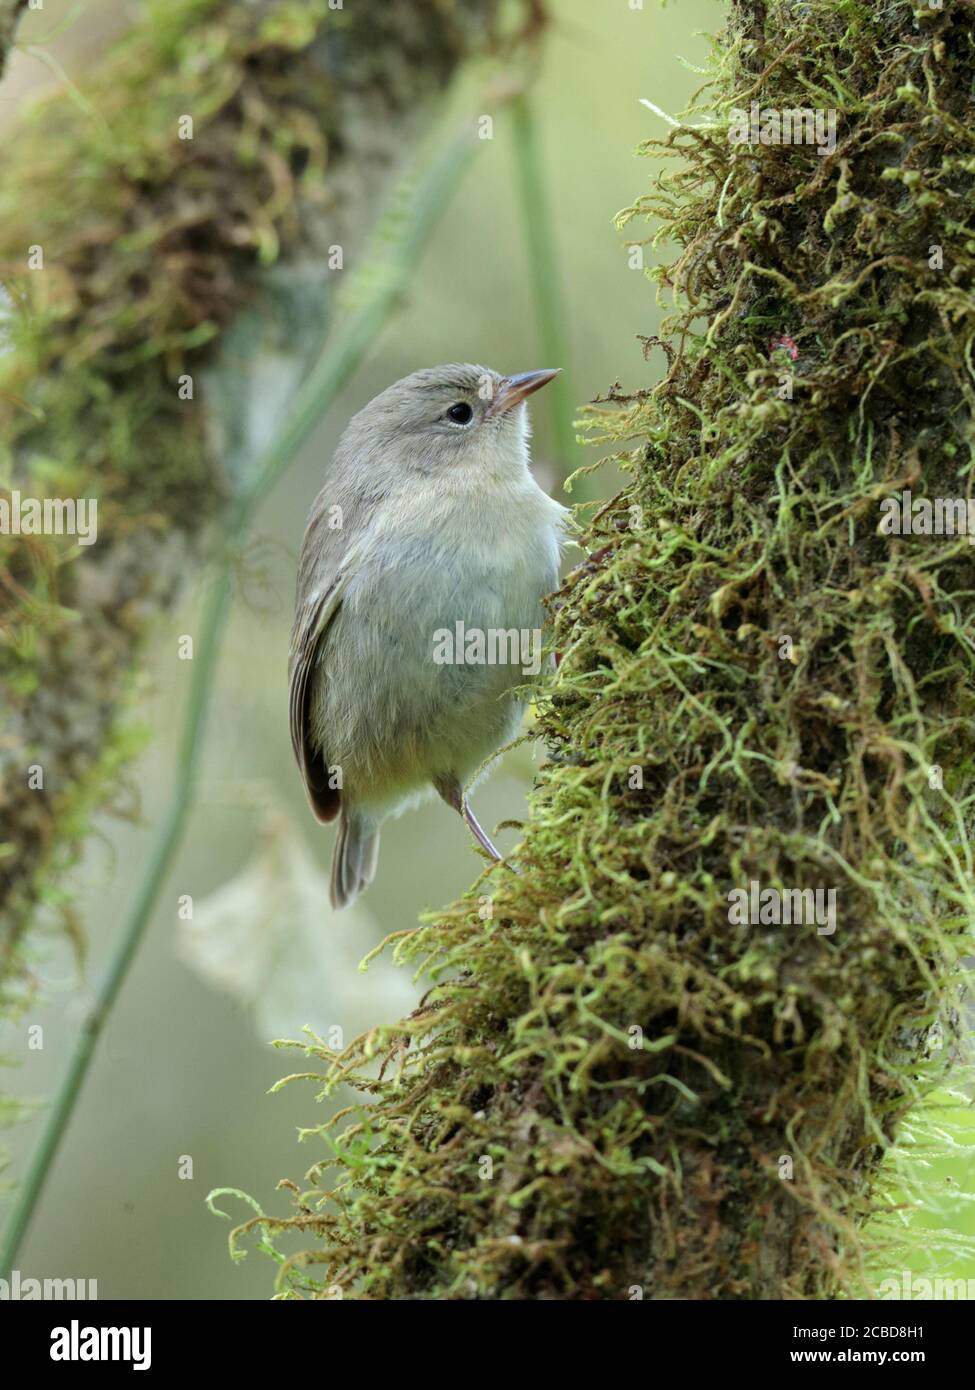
(354, 858)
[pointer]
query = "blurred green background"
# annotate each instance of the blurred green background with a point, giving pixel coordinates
(184, 1069)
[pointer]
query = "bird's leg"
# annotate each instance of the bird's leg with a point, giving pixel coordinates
(449, 789)
(480, 835)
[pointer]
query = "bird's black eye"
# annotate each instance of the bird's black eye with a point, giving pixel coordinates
(461, 413)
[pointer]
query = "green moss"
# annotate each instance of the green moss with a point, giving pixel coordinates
(749, 518)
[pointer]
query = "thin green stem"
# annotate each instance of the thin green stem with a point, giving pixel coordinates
(169, 837)
(546, 281)
(412, 225)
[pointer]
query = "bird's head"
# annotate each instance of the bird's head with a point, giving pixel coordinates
(445, 419)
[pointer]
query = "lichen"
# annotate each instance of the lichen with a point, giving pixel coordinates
(754, 685)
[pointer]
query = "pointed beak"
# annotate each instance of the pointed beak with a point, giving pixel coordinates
(514, 389)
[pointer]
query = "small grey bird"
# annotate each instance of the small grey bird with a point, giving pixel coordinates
(424, 564)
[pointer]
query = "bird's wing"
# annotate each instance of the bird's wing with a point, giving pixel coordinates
(323, 572)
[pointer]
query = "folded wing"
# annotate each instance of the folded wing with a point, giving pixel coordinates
(323, 570)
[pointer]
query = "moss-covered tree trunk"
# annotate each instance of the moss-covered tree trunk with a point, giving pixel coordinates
(634, 1078)
(172, 244)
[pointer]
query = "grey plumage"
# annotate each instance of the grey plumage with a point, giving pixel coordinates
(424, 522)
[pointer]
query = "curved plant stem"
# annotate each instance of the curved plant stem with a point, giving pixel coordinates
(167, 842)
(546, 286)
(410, 220)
